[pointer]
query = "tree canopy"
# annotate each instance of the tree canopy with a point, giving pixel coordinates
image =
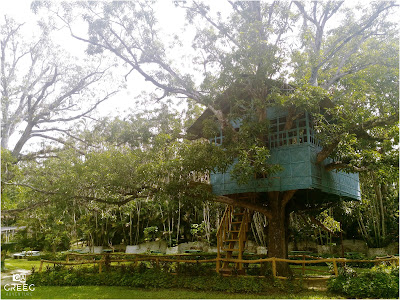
(320, 51)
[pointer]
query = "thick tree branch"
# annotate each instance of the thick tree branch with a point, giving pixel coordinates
(287, 196)
(337, 165)
(127, 197)
(18, 210)
(327, 150)
(244, 204)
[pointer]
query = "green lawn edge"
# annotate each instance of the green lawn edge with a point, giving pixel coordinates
(116, 292)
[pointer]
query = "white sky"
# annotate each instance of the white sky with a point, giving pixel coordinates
(168, 18)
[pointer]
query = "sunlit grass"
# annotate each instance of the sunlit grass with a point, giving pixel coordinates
(115, 292)
(14, 264)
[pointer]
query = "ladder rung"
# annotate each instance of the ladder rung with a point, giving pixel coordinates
(234, 231)
(238, 222)
(238, 214)
(232, 240)
(230, 250)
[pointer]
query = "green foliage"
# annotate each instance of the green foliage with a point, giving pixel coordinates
(302, 98)
(380, 282)
(151, 233)
(253, 162)
(186, 269)
(23, 240)
(11, 195)
(189, 277)
(198, 230)
(211, 128)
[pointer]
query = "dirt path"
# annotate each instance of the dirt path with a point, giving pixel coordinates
(7, 275)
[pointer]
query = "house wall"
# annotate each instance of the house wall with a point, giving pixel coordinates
(299, 172)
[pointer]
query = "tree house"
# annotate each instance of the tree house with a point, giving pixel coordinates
(295, 150)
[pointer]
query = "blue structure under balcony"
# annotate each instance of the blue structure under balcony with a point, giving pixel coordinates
(295, 150)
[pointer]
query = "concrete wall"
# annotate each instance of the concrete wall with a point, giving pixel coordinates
(251, 247)
(161, 246)
(303, 246)
(355, 246)
(158, 246)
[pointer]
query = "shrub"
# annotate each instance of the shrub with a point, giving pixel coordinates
(193, 269)
(48, 256)
(143, 277)
(379, 282)
(359, 256)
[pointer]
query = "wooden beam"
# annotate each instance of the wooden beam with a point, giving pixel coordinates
(244, 204)
(287, 195)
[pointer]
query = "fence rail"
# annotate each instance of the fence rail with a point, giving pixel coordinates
(107, 259)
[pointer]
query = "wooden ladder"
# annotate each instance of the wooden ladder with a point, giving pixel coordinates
(231, 239)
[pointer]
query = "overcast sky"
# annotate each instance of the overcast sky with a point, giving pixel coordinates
(168, 19)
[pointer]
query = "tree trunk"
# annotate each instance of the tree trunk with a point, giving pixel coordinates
(278, 231)
(23, 139)
(278, 223)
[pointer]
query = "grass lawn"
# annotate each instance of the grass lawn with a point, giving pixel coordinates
(14, 264)
(115, 292)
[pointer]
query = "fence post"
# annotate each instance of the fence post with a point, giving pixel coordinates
(218, 261)
(335, 267)
(67, 258)
(273, 267)
(100, 266)
(41, 266)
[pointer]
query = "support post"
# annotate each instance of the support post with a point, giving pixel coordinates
(335, 268)
(273, 267)
(218, 262)
(41, 266)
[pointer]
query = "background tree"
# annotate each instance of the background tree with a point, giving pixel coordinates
(43, 89)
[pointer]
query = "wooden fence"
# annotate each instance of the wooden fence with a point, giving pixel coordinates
(188, 258)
